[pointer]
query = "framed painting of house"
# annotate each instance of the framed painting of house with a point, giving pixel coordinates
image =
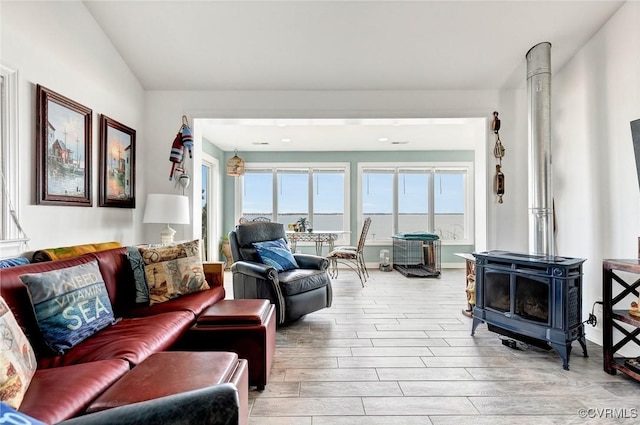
(63, 150)
(117, 164)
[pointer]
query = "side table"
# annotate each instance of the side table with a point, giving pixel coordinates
(214, 273)
(620, 283)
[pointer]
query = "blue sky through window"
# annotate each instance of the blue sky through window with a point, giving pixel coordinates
(258, 190)
(449, 193)
(377, 188)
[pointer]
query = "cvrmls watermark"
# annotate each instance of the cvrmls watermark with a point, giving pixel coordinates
(608, 413)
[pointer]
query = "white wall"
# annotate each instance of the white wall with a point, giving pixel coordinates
(597, 198)
(164, 109)
(508, 225)
(59, 46)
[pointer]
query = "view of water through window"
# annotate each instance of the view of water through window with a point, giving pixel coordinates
(397, 200)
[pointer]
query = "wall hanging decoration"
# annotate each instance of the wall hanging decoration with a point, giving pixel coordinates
(63, 150)
(235, 165)
(184, 139)
(498, 152)
(117, 164)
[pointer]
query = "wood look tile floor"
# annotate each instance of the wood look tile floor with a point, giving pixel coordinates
(399, 351)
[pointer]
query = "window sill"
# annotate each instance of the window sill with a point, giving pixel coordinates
(11, 248)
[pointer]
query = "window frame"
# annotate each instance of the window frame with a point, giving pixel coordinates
(213, 203)
(469, 207)
(10, 239)
(310, 168)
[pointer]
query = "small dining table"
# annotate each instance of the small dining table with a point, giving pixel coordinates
(319, 237)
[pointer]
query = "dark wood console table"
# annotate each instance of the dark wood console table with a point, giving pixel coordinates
(614, 316)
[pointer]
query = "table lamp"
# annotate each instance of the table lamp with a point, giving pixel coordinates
(166, 209)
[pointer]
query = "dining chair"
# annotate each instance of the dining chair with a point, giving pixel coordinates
(351, 256)
(257, 219)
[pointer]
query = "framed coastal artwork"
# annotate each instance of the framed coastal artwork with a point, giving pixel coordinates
(63, 150)
(117, 164)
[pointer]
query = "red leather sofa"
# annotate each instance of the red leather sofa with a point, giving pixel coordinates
(64, 386)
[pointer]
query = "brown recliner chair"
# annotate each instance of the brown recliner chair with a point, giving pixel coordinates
(294, 292)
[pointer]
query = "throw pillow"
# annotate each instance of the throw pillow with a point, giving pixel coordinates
(140, 281)
(10, 416)
(12, 262)
(173, 270)
(71, 304)
(17, 360)
(276, 253)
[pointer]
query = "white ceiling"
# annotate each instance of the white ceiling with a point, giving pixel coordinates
(339, 45)
(341, 134)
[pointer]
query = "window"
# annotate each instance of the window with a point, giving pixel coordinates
(449, 204)
(418, 197)
(292, 195)
(413, 199)
(328, 200)
(377, 201)
(257, 194)
(206, 176)
(285, 193)
(210, 207)
(10, 235)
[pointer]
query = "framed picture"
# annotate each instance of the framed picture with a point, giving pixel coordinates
(117, 164)
(63, 150)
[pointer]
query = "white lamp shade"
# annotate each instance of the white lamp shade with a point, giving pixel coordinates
(166, 209)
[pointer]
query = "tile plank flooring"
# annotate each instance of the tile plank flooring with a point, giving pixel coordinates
(399, 351)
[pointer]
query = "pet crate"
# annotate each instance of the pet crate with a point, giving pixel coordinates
(416, 254)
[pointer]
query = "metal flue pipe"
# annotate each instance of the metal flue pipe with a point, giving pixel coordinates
(541, 239)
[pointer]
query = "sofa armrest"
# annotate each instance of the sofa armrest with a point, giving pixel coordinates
(308, 261)
(215, 405)
(257, 270)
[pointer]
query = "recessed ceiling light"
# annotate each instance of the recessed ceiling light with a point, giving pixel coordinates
(383, 139)
(285, 140)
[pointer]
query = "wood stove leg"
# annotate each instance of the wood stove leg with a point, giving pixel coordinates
(564, 350)
(583, 344)
(476, 323)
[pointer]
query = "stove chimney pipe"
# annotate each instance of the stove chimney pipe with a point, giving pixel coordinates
(541, 239)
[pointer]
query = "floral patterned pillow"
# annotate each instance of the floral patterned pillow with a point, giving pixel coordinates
(173, 270)
(17, 359)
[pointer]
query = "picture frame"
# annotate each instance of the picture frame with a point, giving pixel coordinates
(63, 150)
(117, 164)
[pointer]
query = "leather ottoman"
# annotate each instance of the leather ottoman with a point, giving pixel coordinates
(244, 326)
(168, 373)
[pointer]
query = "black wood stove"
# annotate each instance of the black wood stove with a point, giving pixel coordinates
(531, 298)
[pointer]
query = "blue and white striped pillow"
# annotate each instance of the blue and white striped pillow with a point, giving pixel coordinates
(277, 254)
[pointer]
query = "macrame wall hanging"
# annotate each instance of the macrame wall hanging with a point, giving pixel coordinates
(184, 139)
(498, 152)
